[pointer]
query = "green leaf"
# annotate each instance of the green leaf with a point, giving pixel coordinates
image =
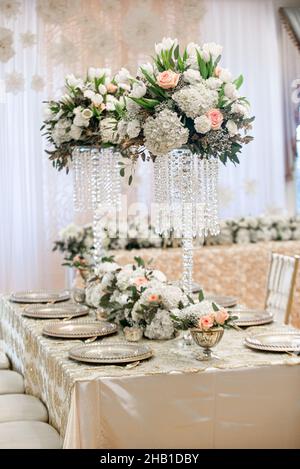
(239, 81)
(146, 102)
(201, 65)
(122, 172)
(140, 262)
(215, 308)
(217, 61)
(130, 180)
(200, 296)
(176, 52)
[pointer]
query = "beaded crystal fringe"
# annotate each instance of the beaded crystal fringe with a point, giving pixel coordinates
(96, 186)
(186, 200)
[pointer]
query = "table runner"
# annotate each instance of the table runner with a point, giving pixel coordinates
(51, 376)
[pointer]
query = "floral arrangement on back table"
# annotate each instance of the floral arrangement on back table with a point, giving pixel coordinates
(187, 99)
(86, 114)
(135, 295)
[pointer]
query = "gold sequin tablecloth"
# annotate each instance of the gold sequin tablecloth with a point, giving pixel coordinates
(172, 400)
(237, 270)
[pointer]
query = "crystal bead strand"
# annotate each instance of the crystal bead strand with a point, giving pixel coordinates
(186, 158)
(215, 226)
(95, 156)
(97, 229)
(76, 175)
(116, 191)
(176, 201)
(201, 191)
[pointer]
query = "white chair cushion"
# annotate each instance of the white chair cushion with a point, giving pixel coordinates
(11, 382)
(28, 435)
(21, 407)
(4, 362)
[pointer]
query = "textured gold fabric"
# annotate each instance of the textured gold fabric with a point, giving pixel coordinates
(238, 270)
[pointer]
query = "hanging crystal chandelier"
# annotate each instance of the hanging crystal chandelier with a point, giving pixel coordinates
(97, 186)
(185, 186)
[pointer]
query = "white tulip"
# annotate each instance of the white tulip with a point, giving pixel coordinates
(138, 90)
(123, 76)
(213, 49)
(97, 99)
(73, 81)
(192, 48)
(205, 55)
(225, 75)
(89, 94)
(148, 67)
(165, 44)
(91, 73)
(102, 89)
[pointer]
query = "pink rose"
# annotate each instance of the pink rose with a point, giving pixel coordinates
(221, 316)
(111, 88)
(216, 118)
(153, 298)
(167, 79)
(218, 71)
(206, 322)
(140, 281)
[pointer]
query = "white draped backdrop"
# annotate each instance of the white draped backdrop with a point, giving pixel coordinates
(35, 200)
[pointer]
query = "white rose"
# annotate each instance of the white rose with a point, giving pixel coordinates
(213, 49)
(213, 83)
(87, 113)
(88, 94)
(202, 124)
(80, 121)
(230, 91)
(75, 132)
(102, 89)
(232, 128)
(133, 128)
(97, 99)
(165, 44)
(192, 76)
(225, 75)
(138, 90)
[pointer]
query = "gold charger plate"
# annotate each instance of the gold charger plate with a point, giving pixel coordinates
(275, 342)
(221, 300)
(111, 353)
(40, 296)
(69, 310)
(79, 329)
(252, 317)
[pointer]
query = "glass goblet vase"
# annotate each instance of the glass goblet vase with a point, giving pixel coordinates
(207, 340)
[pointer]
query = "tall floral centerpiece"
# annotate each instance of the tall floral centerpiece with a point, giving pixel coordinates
(81, 126)
(189, 115)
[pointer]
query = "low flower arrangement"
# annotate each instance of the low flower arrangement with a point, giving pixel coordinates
(203, 315)
(136, 296)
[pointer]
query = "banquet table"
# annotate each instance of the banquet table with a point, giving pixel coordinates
(244, 398)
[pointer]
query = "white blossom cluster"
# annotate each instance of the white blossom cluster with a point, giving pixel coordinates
(196, 100)
(164, 132)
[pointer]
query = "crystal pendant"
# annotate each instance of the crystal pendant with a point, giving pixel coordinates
(186, 201)
(97, 186)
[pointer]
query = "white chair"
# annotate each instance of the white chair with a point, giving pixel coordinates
(281, 285)
(11, 382)
(28, 435)
(4, 362)
(21, 407)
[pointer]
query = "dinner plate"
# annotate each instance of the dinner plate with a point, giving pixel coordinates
(110, 353)
(40, 296)
(79, 329)
(224, 301)
(69, 310)
(275, 341)
(252, 317)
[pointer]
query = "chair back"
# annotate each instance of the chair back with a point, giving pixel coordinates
(281, 285)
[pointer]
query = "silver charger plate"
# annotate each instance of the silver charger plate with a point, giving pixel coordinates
(252, 317)
(275, 342)
(79, 329)
(69, 310)
(221, 300)
(40, 296)
(110, 353)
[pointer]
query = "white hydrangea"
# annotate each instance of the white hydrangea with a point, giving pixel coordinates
(202, 124)
(93, 294)
(108, 129)
(213, 83)
(161, 326)
(232, 128)
(106, 267)
(171, 296)
(60, 132)
(71, 231)
(230, 91)
(197, 309)
(164, 132)
(195, 100)
(192, 76)
(133, 128)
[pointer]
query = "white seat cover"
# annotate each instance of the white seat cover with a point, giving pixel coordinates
(11, 382)
(4, 362)
(21, 407)
(28, 435)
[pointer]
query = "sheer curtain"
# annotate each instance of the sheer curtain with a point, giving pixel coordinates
(36, 201)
